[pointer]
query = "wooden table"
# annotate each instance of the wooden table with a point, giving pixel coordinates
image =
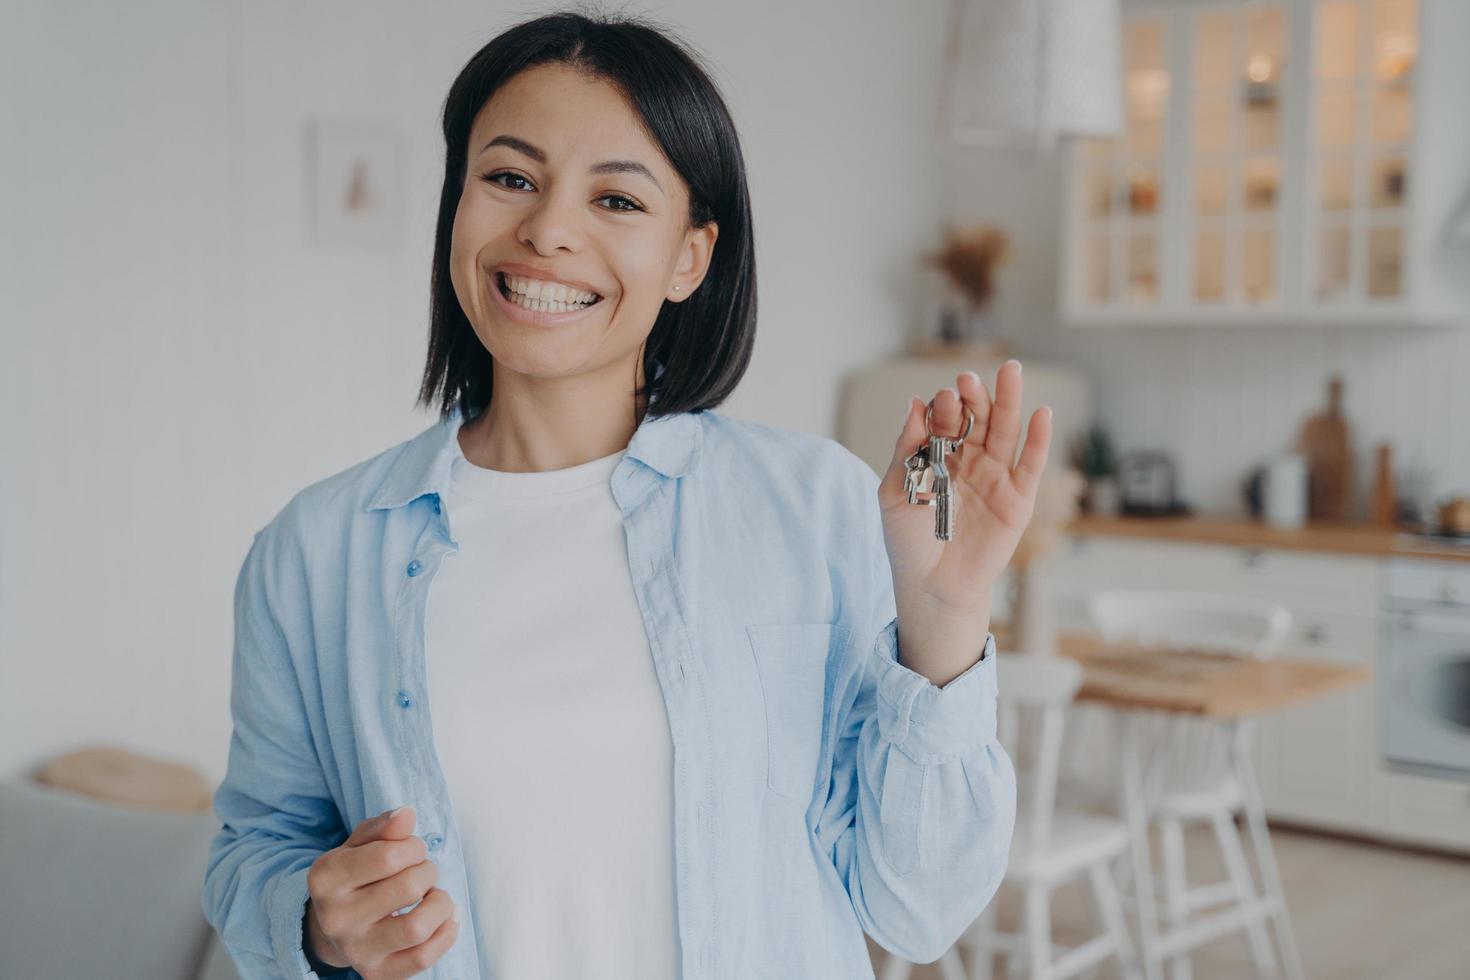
(1142, 683)
(1197, 682)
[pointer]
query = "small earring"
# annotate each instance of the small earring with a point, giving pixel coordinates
(677, 287)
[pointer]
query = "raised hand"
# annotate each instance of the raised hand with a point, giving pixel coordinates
(994, 491)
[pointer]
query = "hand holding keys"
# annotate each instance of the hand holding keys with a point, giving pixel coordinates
(976, 471)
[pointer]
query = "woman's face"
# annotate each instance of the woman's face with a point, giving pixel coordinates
(563, 185)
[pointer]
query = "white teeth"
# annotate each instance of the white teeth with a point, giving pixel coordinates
(545, 303)
(537, 289)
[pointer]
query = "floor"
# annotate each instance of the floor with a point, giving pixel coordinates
(1360, 911)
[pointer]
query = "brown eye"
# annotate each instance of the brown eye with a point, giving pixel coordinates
(490, 178)
(631, 204)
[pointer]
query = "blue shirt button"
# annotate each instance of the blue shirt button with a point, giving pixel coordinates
(414, 567)
(434, 841)
(404, 700)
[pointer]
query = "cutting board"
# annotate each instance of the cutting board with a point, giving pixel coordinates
(1326, 442)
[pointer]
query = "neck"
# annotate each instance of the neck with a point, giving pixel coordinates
(535, 424)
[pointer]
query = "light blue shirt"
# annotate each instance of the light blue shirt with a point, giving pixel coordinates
(821, 789)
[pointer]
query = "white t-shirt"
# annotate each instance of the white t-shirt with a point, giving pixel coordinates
(551, 729)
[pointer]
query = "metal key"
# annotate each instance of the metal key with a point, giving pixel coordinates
(918, 476)
(943, 499)
(925, 472)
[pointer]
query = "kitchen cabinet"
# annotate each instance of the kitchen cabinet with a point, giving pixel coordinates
(1315, 761)
(1319, 763)
(1426, 810)
(1281, 162)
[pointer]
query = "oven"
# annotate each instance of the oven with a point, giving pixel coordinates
(1424, 676)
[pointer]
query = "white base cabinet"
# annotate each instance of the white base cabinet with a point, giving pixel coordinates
(1319, 763)
(1426, 810)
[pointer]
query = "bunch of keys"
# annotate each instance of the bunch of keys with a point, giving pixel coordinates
(925, 472)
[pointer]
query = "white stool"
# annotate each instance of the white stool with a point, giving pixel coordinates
(1050, 846)
(1210, 778)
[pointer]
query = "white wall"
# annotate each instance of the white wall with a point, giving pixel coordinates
(176, 361)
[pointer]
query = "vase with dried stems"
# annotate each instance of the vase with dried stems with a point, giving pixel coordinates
(966, 262)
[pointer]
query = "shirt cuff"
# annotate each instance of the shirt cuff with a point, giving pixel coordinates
(929, 723)
(287, 906)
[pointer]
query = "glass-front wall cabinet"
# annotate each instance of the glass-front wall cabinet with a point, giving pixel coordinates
(1234, 158)
(1363, 58)
(1123, 179)
(1265, 162)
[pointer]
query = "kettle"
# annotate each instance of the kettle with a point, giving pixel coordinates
(1283, 490)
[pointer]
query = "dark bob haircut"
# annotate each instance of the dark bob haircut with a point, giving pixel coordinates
(699, 348)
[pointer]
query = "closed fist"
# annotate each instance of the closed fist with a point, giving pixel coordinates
(356, 891)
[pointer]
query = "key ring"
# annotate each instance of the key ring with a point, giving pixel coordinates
(969, 424)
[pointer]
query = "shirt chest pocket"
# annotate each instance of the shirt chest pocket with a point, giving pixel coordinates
(791, 660)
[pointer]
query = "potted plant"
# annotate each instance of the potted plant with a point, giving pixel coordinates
(1093, 455)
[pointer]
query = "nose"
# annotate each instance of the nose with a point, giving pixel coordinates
(553, 223)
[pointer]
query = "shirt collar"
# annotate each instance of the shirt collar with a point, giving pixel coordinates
(669, 444)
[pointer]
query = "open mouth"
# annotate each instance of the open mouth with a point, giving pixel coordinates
(550, 299)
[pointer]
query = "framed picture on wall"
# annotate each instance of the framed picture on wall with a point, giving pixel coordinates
(354, 185)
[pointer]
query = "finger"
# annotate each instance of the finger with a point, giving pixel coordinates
(377, 860)
(1027, 474)
(411, 962)
(391, 934)
(374, 902)
(976, 399)
(948, 418)
(910, 438)
(395, 824)
(1005, 417)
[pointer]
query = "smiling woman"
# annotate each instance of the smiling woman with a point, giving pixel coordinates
(671, 731)
(589, 156)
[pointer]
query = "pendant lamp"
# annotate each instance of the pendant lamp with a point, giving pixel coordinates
(1024, 72)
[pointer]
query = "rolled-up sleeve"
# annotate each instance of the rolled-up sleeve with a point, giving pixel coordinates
(934, 724)
(922, 797)
(276, 813)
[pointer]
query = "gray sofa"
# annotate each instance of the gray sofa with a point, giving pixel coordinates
(96, 889)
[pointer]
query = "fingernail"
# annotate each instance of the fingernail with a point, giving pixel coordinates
(397, 810)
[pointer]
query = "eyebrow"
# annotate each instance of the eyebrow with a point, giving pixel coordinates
(605, 167)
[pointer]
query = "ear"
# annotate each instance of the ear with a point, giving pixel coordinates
(694, 258)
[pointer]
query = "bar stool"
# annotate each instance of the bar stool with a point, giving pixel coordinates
(1209, 777)
(1050, 846)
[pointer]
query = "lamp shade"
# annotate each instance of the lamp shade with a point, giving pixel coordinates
(1027, 71)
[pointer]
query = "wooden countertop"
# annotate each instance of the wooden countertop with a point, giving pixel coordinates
(1245, 532)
